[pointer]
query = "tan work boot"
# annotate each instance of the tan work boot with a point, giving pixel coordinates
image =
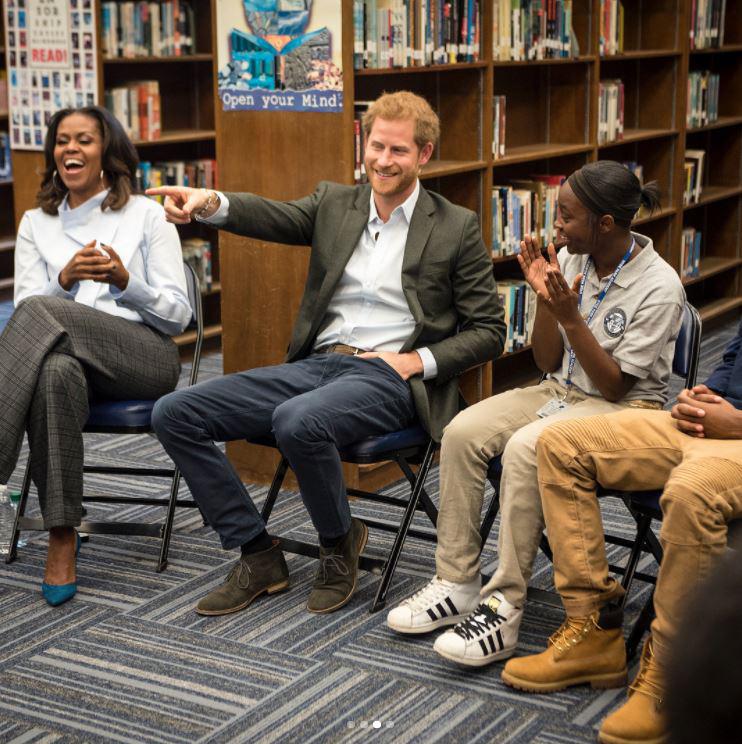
(254, 574)
(640, 720)
(584, 649)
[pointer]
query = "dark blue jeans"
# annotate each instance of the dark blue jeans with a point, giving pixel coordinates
(312, 407)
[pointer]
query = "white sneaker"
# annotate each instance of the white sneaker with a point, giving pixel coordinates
(437, 604)
(490, 633)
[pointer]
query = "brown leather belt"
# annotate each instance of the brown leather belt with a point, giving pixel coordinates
(340, 349)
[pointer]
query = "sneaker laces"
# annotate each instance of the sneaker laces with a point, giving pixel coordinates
(478, 622)
(333, 562)
(571, 632)
(642, 682)
(432, 593)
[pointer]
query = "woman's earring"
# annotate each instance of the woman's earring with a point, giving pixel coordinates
(102, 175)
(60, 185)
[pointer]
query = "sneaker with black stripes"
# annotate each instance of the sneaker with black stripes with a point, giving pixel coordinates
(437, 604)
(490, 633)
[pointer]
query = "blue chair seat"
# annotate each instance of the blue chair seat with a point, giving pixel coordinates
(120, 414)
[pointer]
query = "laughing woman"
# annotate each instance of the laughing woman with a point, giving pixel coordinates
(99, 290)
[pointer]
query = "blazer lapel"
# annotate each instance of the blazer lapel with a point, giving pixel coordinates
(421, 226)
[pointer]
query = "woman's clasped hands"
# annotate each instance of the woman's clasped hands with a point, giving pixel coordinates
(96, 264)
(547, 281)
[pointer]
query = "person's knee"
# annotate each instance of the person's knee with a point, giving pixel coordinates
(460, 435)
(689, 509)
(59, 371)
(296, 424)
(35, 303)
(166, 413)
(520, 450)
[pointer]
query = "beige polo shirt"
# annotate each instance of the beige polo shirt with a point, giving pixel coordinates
(637, 322)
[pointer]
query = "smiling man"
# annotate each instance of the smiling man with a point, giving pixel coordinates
(399, 300)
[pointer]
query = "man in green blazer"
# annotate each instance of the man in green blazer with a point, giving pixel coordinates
(399, 300)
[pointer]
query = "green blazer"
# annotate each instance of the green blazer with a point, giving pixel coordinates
(446, 277)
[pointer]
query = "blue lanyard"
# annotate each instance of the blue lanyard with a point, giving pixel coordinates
(601, 296)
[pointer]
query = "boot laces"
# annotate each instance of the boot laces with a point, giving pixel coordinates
(332, 563)
(643, 682)
(243, 572)
(571, 632)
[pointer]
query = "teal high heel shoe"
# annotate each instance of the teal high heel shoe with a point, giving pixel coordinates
(57, 594)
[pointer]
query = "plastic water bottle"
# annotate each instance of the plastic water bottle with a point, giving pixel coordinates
(7, 518)
(15, 499)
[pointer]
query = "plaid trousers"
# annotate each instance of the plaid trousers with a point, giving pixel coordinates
(55, 356)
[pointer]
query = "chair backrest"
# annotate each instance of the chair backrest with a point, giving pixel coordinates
(197, 321)
(688, 346)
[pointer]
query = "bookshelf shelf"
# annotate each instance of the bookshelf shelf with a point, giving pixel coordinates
(714, 193)
(720, 123)
(6, 283)
(372, 72)
(639, 135)
(517, 352)
(726, 49)
(660, 214)
(511, 259)
(158, 60)
(541, 151)
(6, 182)
(633, 54)
(179, 136)
(584, 59)
(210, 331)
(439, 168)
(7, 243)
(711, 266)
(717, 308)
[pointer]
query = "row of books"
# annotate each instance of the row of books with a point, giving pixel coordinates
(137, 106)
(498, 132)
(690, 252)
(410, 33)
(6, 165)
(359, 141)
(524, 207)
(610, 111)
(611, 22)
(197, 254)
(200, 174)
(707, 23)
(531, 29)
(519, 302)
(693, 166)
(147, 29)
(703, 98)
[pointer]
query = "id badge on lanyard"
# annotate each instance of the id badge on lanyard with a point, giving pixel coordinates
(591, 315)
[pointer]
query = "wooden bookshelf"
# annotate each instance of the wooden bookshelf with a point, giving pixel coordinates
(551, 128)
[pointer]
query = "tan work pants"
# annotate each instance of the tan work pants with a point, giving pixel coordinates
(505, 424)
(637, 450)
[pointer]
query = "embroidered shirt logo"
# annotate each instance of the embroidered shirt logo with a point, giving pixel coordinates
(615, 322)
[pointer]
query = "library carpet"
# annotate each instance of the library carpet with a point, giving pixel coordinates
(128, 660)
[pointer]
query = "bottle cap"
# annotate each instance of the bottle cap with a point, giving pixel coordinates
(15, 496)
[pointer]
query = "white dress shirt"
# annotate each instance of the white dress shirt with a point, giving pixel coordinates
(369, 309)
(147, 244)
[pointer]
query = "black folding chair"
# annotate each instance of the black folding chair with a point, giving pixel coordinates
(127, 417)
(643, 506)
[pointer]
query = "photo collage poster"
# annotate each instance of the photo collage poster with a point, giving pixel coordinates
(51, 61)
(280, 55)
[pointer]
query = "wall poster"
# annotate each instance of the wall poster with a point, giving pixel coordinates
(51, 60)
(280, 55)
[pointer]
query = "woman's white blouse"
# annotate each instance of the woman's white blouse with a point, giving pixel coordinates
(147, 244)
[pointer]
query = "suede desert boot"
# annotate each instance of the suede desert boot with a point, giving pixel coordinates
(338, 570)
(640, 719)
(254, 574)
(584, 649)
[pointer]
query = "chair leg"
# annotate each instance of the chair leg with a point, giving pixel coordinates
(425, 500)
(273, 491)
(25, 490)
(391, 563)
(167, 527)
(641, 626)
(545, 547)
(644, 523)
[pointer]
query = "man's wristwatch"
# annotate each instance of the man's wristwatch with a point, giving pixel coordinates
(210, 206)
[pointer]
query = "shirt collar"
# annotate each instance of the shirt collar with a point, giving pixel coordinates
(83, 210)
(407, 206)
(634, 268)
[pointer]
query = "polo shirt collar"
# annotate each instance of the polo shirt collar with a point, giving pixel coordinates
(634, 268)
